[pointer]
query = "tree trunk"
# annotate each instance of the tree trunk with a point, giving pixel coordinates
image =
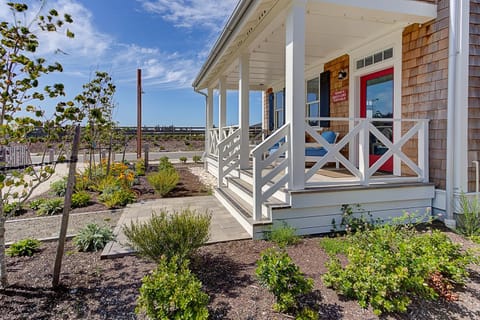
(3, 262)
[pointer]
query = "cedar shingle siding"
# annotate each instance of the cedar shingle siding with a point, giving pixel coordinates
(474, 91)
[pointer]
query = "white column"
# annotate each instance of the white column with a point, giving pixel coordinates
(222, 105)
(295, 91)
(209, 120)
(244, 109)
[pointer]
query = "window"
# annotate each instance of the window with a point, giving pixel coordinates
(279, 109)
(313, 101)
(375, 58)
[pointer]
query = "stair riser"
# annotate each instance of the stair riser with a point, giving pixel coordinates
(235, 213)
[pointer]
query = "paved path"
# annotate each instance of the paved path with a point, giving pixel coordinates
(223, 226)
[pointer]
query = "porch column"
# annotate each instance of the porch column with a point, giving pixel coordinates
(295, 91)
(222, 105)
(243, 109)
(209, 120)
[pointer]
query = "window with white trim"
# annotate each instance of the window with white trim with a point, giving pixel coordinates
(279, 109)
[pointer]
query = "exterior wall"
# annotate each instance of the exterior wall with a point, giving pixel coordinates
(474, 92)
(424, 86)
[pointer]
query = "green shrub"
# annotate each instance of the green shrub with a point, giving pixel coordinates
(22, 248)
(169, 234)
(80, 199)
(354, 218)
(164, 181)
(334, 246)
(277, 272)
(390, 264)
(13, 208)
(35, 204)
(50, 206)
(183, 159)
(283, 235)
(172, 292)
(93, 238)
(140, 167)
(469, 217)
(115, 196)
(59, 187)
(164, 164)
(196, 159)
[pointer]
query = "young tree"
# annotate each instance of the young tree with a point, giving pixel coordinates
(20, 97)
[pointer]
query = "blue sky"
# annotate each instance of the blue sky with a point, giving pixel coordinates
(168, 39)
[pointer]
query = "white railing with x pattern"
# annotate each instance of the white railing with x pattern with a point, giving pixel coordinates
(361, 134)
(272, 152)
(228, 155)
(214, 135)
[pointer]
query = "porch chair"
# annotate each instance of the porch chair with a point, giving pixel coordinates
(313, 152)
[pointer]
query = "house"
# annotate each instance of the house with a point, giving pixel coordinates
(397, 80)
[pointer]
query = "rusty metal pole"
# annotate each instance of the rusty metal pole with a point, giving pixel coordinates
(139, 113)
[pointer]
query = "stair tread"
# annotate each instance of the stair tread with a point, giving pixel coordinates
(248, 188)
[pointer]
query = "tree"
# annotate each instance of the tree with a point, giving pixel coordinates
(20, 97)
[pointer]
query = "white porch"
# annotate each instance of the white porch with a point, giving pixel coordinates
(279, 44)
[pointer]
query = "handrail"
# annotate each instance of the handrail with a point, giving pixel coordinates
(264, 155)
(228, 155)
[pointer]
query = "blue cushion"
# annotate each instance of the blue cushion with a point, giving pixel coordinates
(329, 136)
(315, 152)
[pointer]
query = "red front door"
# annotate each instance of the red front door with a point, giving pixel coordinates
(376, 101)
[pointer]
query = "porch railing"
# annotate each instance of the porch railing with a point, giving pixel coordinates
(270, 160)
(228, 154)
(411, 134)
(214, 135)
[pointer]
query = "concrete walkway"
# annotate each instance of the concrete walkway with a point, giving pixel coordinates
(223, 226)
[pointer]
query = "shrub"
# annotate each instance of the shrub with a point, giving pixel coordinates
(80, 199)
(35, 204)
(172, 292)
(50, 206)
(169, 234)
(93, 238)
(469, 217)
(284, 235)
(164, 181)
(283, 278)
(59, 187)
(334, 246)
(13, 208)
(22, 248)
(164, 164)
(183, 159)
(116, 196)
(390, 264)
(140, 167)
(196, 159)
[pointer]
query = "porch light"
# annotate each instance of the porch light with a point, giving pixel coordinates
(342, 74)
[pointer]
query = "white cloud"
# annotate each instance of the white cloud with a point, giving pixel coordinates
(191, 13)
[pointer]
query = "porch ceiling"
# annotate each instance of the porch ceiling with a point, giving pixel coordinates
(333, 27)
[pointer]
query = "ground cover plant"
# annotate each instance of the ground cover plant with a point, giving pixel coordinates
(93, 237)
(391, 264)
(25, 247)
(283, 235)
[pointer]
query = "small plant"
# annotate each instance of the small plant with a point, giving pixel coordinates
(183, 159)
(59, 187)
(140, 167)
(80, 199)
(277, 272)
(469, 217)
(196, 159)
(116, 196)
(35, 204)
(93, 238)
(334, 246)
(23, 248)
(169, 234)
(50, 206)
(172, 292)
(13, 208)
(164, 181)
(354, 219)
(164, 164)
(284, 235)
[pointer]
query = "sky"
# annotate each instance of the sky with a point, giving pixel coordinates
(168, 39)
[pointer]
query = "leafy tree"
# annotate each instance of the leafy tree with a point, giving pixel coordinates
(20, 99)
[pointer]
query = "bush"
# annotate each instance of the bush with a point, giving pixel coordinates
(164, 181)
(390, 264)
(59, 187)
(35, 204)
(50, 206)
(140, 167)
(115, 196)
(93, 238)
(284, 235)
(183, 159)
(277, 272)
(469, 217)
(169, 234)
(172, 292)
(80, 199)
(13, 208)
(334, 246)
(196, 159)
(22, 248)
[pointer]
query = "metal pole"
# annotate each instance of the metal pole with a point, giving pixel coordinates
(139, 113)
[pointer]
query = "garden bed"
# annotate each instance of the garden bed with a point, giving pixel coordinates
(107, 289)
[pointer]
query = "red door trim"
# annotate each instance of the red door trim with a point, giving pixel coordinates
(363, 88)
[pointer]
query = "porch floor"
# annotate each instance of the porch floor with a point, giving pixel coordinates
(223, 225)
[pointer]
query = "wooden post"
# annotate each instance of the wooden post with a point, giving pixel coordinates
(66, 208)
(147, 149)
(139, 113)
